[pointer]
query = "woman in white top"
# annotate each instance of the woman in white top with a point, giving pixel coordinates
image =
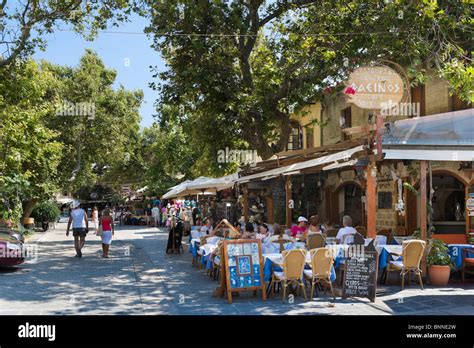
(95, 217)
(262, 231)
(278, 234)
(347, 229)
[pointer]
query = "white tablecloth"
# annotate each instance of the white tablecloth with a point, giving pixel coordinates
(397, 249)
(206, 249)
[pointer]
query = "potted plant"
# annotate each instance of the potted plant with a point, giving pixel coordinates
(46, 212)
(439, 263)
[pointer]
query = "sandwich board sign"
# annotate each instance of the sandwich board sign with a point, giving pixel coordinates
(375, 87)
(360, 276)
(243, 266)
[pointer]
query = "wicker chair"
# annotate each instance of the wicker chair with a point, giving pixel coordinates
(401, 231)
(467, 263)
(412, 252)
(320, 272)
(316, 240)
(362, 230)
(386, 233)
(282, 243)
(293, 266)
(332, 232)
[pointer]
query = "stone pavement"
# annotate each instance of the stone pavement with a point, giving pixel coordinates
(139, 278)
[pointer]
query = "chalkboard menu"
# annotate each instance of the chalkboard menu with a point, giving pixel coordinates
(360, 276)
(384, 200)
(243, 265)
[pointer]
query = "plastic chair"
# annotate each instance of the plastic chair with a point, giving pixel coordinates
(293, 266)
(412, 252)
(322, 260)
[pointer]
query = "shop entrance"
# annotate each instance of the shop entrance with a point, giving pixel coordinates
(349, 197)
(449, 209)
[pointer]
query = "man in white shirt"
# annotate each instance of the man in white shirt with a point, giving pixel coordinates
(347, 229)
(80, 226)
(155, 213)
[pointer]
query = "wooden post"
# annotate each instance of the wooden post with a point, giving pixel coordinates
(270, 215)
(245, 204)
(287, 200)
(423, 207)
(371, 200)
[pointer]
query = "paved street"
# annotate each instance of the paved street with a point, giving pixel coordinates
(140, 278)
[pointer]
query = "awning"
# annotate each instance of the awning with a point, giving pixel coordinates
(217, 184)
(429, 155)
(202, 185)
(454, 128)
(297, 167)
(443, 137)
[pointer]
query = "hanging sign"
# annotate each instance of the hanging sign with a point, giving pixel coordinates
(374, 87)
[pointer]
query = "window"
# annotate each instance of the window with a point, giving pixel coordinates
(346, 121)
(295, 141)
(309, 137)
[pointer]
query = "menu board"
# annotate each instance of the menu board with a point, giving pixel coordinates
(360, 276)
(243, 265)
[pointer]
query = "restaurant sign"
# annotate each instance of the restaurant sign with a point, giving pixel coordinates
(374, 87)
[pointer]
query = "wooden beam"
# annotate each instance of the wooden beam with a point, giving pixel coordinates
(423, 207)
(371, 200)
(270, 215)
(288, 197)
(245, 203)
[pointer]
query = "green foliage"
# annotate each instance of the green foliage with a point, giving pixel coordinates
(24, 24)
(439, 254)
(46, 211)
(245, 65)
(29, 151)
(95, 146)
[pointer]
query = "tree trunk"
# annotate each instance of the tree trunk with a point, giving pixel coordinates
(29, 206)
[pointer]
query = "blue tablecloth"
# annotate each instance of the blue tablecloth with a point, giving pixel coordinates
(384, 257)
(268, 269)
(455, 251)
(193, 248)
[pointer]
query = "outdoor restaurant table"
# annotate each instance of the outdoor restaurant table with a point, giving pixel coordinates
(194, 246)
(275, 262)
(384, 253)
(455, 251)
(206, 251)
(400, 239)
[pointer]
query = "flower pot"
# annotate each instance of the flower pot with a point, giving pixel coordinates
(28, 221)
(439, 275)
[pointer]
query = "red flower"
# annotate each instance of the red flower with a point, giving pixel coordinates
(327, 90)
(349, 90)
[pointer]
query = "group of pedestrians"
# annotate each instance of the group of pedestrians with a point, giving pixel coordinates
(103, 226)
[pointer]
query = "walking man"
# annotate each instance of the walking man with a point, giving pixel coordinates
(155, 213)
(80, 227)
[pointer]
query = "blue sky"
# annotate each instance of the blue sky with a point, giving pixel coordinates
(116, 50)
